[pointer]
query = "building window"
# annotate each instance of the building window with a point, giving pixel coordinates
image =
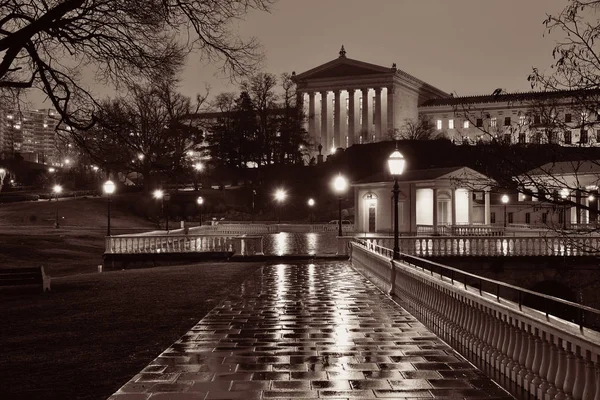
(568, 118)
(450, 124)
(522, 138)
(479, 122)
(438, 124)
(537, 120)
(597, 135)
(567, 137)
(492, 217)
(583, 137)
(521, 120)
(373, 110)
(544, 218)
(560, 217)
(466, 124)
(528, 218)
(506, 121)
(360, 109)
(493, 122)
(510, 218)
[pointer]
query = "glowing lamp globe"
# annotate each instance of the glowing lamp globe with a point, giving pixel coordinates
(109, 187)
(396, 163)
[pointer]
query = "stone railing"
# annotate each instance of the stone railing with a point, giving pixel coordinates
(256, 229)
(529, 351)
(460, 230)
(181, 243)
(464, 246)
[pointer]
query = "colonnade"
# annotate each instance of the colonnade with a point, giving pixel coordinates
(343, 117)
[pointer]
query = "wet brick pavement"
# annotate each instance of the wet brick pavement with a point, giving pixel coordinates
(306, 332)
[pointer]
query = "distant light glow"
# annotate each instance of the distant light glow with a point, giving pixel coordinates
(158, 194)
(311, 202)
(280, 195)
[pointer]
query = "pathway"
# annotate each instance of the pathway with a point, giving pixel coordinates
(309, 331)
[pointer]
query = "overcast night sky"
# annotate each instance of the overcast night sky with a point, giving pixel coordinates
(462, 46)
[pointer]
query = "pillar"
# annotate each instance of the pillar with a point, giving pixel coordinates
(377, 106)
(435, 211)
(390, 112)
(350, 117)
(487, 209)
(324, 119)
(337, 136)
(470, 206)
(312, 132)
(453, 206)
(365, 113)
(578, 206)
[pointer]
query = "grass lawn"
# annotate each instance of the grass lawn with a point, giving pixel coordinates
(29, 238)
(95, 331)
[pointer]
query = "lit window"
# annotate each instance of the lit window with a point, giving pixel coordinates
(466, 124)
(521, 120)
(493, 122)
(450, 124)
(439, 124)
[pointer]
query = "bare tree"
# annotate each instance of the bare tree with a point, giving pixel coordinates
(46, 43)
(419, 129)
(148, 132)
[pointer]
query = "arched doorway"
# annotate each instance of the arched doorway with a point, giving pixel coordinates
(370, 208)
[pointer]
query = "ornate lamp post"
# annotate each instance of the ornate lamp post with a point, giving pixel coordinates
(109, 189)
(158, 195)
(56, 189)
(396, 164)
(280, 196)
(340, 186)
(311, 204)
(504, 201)
(564, 194)
(200, 201)
(167, 197)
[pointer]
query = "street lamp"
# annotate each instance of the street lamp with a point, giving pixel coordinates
(311, 204)
(396, 163)
(340, 186)
(167, 197)
(158, 195)
(564, 193)
(198, 167)
(504, 201)
(280, 196)
(109, 189)
(56, 189)
(200, 201)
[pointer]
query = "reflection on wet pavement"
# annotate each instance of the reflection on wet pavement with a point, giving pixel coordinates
(286, 243)
(309, 331)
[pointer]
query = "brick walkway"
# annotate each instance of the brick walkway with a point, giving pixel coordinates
(309, 331)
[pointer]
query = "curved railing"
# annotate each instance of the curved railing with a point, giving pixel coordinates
(469, 246)
(534, 351)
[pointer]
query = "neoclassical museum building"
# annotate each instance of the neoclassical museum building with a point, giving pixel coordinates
(350, 102)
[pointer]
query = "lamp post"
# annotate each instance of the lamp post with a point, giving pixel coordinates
(158, 195)
(198, 167)
(504, 201)
(564, 193)
(280, 196)
(311, 204)
(109, 189)
(396, 164)
(167, 197)
(200, 201)
(340, 186)
(56, 189)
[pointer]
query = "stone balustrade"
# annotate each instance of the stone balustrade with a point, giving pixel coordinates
(255, 229)
(534, 352)
(461, 230)
(181, 243)
(466, 246)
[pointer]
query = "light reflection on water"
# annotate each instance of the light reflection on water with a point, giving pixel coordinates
(286, 243)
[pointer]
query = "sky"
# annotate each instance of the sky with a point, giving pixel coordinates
(464, 47)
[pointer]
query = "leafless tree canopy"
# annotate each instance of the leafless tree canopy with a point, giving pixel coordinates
(45, 43)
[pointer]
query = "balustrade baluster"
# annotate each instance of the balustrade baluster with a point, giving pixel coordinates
(580, 376)
(591, 391)
(536, 365)
(517, 354)
(571, 369)
(552, 371)
(527, 371)
(561, 372)
(509, 362)
(544, 367)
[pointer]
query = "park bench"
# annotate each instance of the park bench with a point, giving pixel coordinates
(25, 276)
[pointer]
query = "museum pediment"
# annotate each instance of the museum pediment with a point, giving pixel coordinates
(344, 67)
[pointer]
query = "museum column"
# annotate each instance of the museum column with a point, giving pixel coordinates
(390, 109)
(377, 121)
(324, 123)
(365, 113)
(312, 132)
(337, 136)
(350, 117)
(435, 212)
